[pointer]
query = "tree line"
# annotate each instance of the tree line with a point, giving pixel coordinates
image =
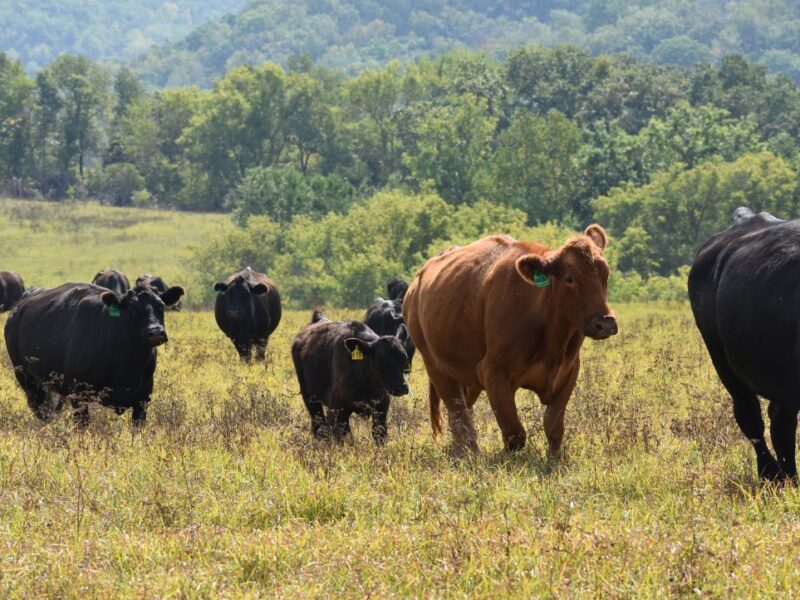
(658, 154)
(363, 34)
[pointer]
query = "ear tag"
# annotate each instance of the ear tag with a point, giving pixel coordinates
(540, 279)
(113, 310)
(220, 292)
(357, 354)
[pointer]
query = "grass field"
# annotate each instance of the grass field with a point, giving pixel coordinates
(224, 493)
(49, 243)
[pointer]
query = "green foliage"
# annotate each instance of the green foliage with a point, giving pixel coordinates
(282, 193)
(355, 35)
(536, 168)
(37, 31)
(661, 225)
(452, 147)
(117, 184)
(346, 259)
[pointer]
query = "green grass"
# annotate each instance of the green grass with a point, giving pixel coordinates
(51, 243)
(224, 493)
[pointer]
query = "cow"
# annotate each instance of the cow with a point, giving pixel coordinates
(397, 288)
(248, 310)
(500, 314)
(347, 368)
(160, 286)
(744, 295)
(384, 317)
(11, 289)
(114, 280)
(85, 343)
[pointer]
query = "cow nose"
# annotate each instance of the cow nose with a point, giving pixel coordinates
(157, 336)
(399, 389)
(604, 327)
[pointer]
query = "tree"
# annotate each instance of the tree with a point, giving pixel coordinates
(535, 168)
(82, 91)
(16, 113)
(452, 147)
(662, 224)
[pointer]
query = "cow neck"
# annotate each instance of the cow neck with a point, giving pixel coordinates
(559, 335)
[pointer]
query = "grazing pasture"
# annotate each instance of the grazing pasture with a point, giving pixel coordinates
(49, 243)
(226, 493)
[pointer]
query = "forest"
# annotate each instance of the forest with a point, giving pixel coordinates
(36, 32)
(361, 177)
(358, 34)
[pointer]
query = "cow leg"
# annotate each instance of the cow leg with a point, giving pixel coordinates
(339, 423)
(80, 413)
(379, 414)
(554, 413)
(245, 350)
(261, 349)
(139, 414)
(748, 415)
(459, 412)
(747, 412)
(316, 411)
(501, 397)
(783, 430)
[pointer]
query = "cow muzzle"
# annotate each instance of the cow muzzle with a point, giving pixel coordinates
(602, 327)
(400, 389)
(156, 337)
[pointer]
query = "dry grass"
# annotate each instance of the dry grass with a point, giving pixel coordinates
(225, 494)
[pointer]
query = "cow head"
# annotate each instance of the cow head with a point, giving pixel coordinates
(385, 357)
(397, 288)
(577, 277)
(142, 309)
(158, 284)
(239, 294)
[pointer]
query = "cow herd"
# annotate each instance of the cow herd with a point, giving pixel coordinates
(493, 316)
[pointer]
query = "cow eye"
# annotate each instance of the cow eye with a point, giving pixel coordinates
(569, 280)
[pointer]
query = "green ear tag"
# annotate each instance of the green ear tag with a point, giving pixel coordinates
(220, 292)
(540, 279)
(357, 354)
(113, 310)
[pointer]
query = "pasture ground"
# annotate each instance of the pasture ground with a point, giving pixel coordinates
(224, 493)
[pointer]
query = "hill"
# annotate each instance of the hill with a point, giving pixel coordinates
(357, 34)
(37, 31)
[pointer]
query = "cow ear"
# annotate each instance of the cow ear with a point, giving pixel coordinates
(172, 295)
(534, 269)
(110, 298)
(402, 333)
(598, 235)
(220, 287)
(356, 345)
(259, 289)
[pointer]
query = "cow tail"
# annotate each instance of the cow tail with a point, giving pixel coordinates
(436, 409)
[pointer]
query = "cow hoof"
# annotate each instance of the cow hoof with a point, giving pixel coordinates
(772, 473)
(515, 443)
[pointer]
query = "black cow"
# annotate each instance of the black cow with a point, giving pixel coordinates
(745, 293)
(114, 280)
(385, 317)
(397, 288)
(86, 343)
(154, 281)
(11, 289)
(347, 368)
(248, 310)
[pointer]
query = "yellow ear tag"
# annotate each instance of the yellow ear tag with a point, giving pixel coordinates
(357, 354)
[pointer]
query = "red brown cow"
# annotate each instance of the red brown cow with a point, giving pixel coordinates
(499, 315)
